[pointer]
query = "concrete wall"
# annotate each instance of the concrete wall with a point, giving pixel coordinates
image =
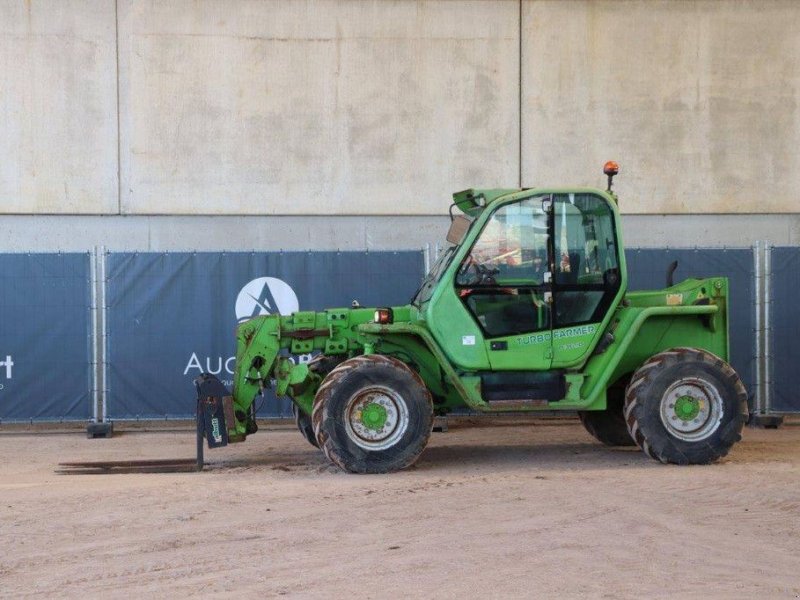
(699, 101)
(315, 107)
(148, 114)
(22, 233)
(58, 107)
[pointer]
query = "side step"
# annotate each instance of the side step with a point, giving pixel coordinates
(531, 388)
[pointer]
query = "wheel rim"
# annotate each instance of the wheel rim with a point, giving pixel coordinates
(691, 409)
(376, 418)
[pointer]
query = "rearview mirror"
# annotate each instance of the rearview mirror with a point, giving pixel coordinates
(458, 229)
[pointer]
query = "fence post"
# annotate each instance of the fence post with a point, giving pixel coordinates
(104, 329)
(100, 427)
(767, 328)
(758, 404)
(93, 362)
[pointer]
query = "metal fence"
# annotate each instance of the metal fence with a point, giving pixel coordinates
(106, 335)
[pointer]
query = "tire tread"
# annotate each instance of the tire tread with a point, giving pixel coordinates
(636, 393)
(328, 388)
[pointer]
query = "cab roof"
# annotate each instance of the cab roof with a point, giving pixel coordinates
(473, 201)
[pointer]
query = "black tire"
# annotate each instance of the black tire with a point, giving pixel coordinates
(362, 382)
(321, 365)
(608, 426)
(685, 388)
(303, 422)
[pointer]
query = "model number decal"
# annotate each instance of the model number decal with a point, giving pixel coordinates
(215, 431)
(573, 346)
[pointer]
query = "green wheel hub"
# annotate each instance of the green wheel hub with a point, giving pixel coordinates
(687, 408)
(374, 416)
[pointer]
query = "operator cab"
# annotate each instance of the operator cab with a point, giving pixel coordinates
(528, 285)
(547, 261)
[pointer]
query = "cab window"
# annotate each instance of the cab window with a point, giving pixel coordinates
(501, 281)
(587, 266)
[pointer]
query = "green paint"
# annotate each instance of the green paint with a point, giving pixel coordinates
(687, 408)
(373, 416)
(443, 342)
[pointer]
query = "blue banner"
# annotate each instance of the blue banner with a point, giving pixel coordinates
(784, 378)
(45, 343)
(173, 316)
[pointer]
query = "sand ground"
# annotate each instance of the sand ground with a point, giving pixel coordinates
(491, 510)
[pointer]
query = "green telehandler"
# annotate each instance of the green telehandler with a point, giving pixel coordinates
(526, 310)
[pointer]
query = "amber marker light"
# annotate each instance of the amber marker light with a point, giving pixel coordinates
(611, 168)
(384, 316)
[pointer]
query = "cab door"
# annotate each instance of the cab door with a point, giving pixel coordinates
(586, 274)
(505, 284)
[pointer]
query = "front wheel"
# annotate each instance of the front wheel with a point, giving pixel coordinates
(372, 414)
(685, 406)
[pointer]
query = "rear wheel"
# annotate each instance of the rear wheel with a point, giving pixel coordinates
(608, 426)
(685, 406)
(372, 414)
(303, 422)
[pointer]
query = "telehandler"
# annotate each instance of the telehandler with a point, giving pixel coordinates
(527, 310)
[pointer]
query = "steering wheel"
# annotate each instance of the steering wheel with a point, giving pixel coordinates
(611, 278)
(484, 275)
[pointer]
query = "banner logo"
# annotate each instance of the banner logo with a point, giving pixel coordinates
(265, 296)
(261, 296)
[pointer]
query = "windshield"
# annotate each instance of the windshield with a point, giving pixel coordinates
(511, 249)
(432, 278)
